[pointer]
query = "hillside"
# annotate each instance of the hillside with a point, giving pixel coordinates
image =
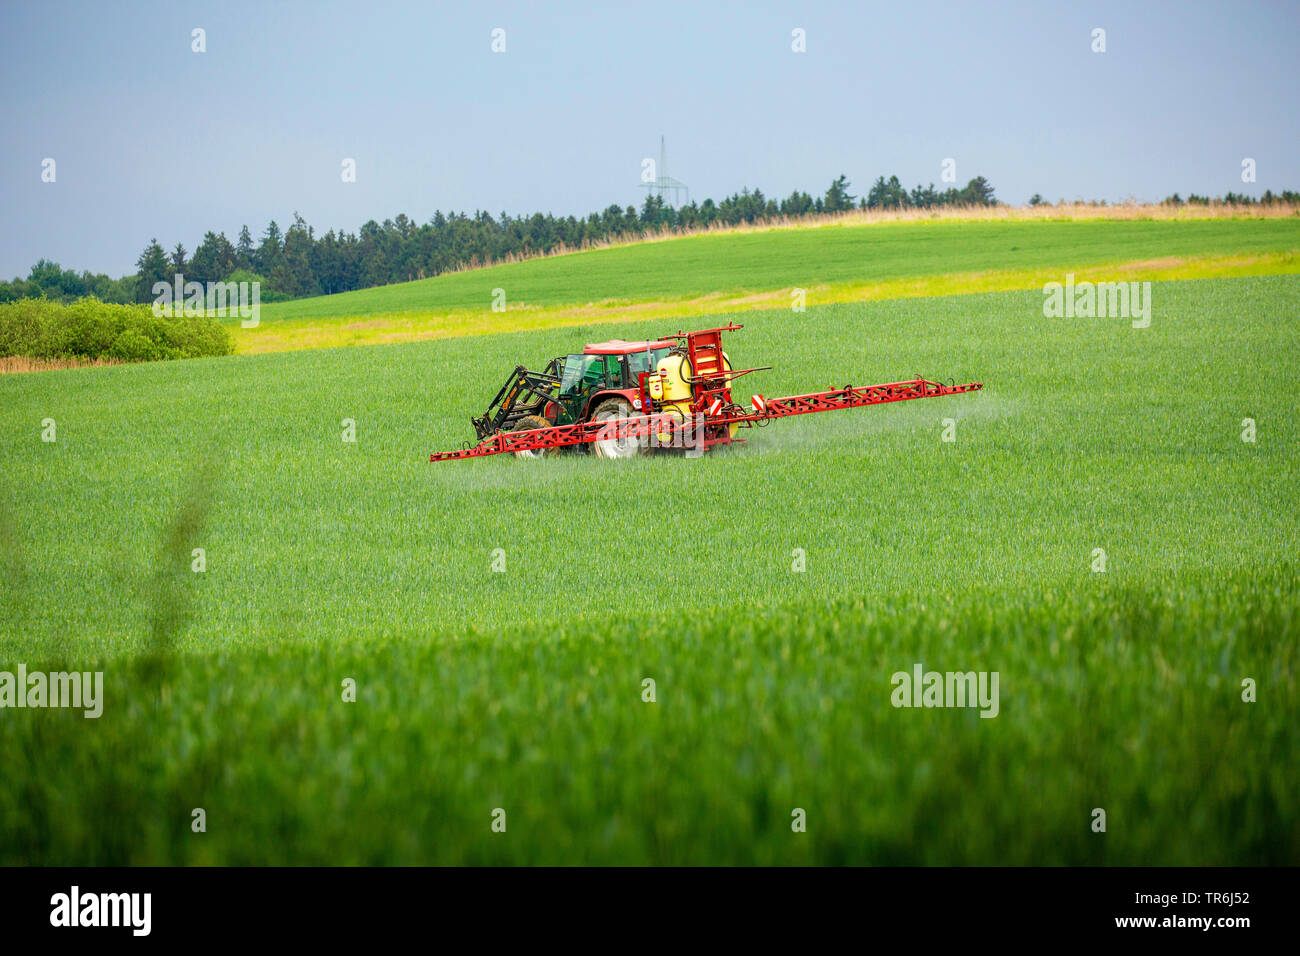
(716, 273)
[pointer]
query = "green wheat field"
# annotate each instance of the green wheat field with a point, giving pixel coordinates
(523, 690)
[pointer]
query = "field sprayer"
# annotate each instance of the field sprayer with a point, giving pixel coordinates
(630, 398)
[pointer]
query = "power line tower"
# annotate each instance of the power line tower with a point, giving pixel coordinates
(669, 190)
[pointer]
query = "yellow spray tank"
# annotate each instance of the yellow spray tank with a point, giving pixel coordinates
(670, 388)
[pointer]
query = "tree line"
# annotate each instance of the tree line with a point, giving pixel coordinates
(298, 262)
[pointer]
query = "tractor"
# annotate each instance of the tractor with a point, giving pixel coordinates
(623, 399)
(602, 383)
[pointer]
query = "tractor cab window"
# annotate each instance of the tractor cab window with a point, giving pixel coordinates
(637, 362)
(585, 372)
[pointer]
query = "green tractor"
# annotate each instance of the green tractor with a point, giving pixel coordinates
(600, 384)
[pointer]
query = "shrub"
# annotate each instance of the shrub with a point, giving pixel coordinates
(134, 346)
(88, 328)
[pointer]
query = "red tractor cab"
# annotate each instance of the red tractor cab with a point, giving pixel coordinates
(605, 372)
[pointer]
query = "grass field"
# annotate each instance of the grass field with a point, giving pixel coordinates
(715, 274)
(522, 689)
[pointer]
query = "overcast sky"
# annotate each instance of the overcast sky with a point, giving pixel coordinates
(152, 139)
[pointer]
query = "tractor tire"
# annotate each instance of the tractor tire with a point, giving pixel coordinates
(609, 410)
(529, 422)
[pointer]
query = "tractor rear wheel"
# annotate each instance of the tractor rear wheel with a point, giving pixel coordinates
(610, 410)
(534, 421)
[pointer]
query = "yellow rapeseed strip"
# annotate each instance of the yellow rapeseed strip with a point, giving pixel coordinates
(315, 333)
